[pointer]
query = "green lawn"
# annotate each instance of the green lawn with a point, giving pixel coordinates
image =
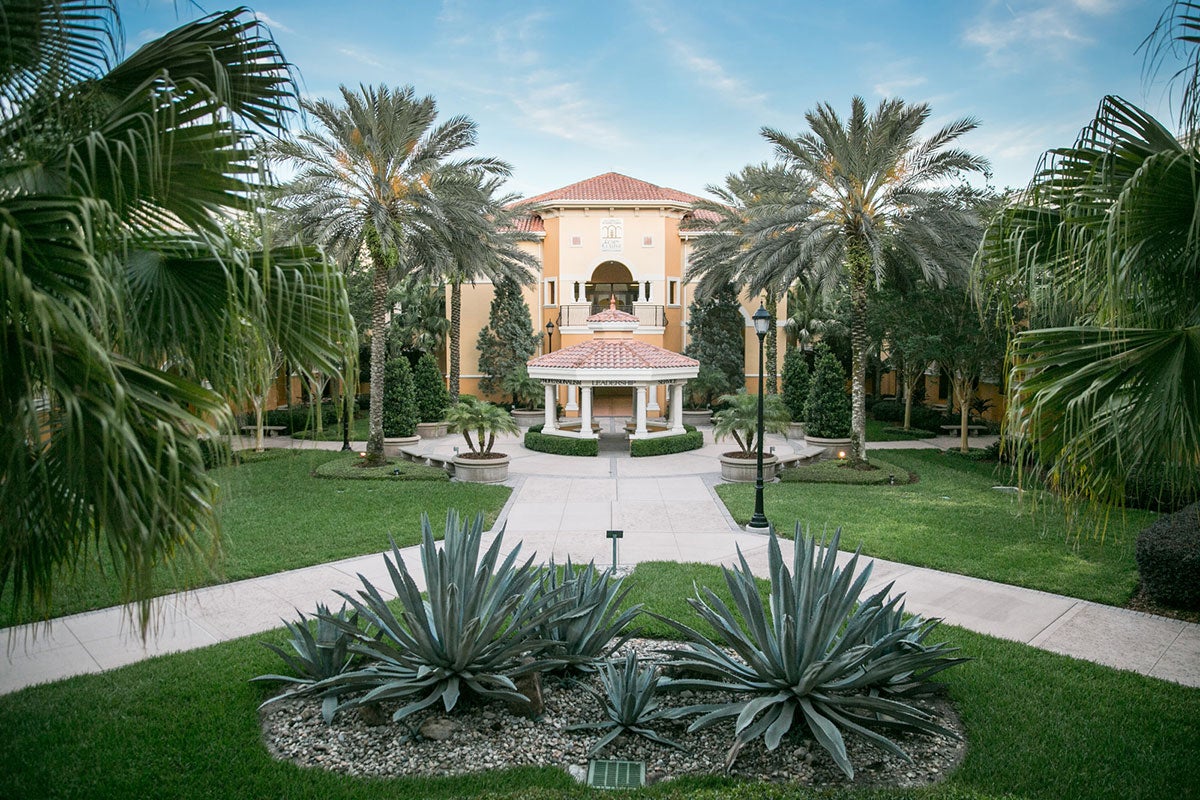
(878, 431)
(275, 516)
(360, 429)
(952, 520)
(1039, 725)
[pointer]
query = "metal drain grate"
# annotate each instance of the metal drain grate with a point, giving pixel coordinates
(616, 774)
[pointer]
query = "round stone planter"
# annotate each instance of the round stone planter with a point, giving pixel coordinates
(796, 430)
(745, 470)
(526, 417)
(700, 417)
(481, 470)
(832, 446)
(431, 430)
(392, 444)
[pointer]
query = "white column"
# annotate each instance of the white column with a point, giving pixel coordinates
(571, 404)
(585, 412)
(652, 405)
(677, 408)
(641, 412)
(551, 402)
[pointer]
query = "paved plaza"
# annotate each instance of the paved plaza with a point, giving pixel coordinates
(562, 507)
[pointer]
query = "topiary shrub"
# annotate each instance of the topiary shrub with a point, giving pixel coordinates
(795, 383)
(432, 396)
(399, 399)
(665, 445)
(828, 407)
(1168, 558)
(559, 445)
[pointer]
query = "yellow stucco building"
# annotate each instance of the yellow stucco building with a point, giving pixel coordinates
(610, 237)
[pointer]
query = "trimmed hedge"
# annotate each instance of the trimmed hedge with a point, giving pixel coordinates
(560, 445)
(299, 417)
(975, 453)
(681, 443)
(1168, 558)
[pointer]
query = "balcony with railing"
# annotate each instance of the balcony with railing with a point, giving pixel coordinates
(575, 315)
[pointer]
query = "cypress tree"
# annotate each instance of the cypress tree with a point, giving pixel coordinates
(508, 340)
(795, 383)
(828, 408)
(399, 399)
(718, 335)
(432, 397)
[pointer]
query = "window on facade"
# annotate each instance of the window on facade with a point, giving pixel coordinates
(576, 241)
(672, 292)
(551, 292)
(647, 241)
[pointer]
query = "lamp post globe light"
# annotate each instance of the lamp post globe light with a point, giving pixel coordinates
(345, 411)
(762, 321)
(549, 336)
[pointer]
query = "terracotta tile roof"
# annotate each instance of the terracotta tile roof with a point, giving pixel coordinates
(612, 314)
(531, 224)
(613, 186)
(613, 354)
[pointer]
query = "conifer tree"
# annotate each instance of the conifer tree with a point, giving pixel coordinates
(399, 399)
(432, 397)
(508, 340)
(828, 407)
(796, 380)
(718, 335)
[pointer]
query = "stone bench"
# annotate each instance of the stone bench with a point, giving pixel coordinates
(268, 430)
(954, 430)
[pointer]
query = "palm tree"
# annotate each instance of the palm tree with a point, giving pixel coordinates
(377, 175)
(865, 187)
(128, 309)
(722, 256)
(739, 419)
(485, 419)
(1103, 252)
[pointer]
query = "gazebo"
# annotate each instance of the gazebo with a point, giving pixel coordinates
(612, 357)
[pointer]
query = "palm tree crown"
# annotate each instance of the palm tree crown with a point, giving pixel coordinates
(868, 191)
(128, 308)
(376, 173)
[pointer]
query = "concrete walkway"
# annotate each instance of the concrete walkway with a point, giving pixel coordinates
(562, 506)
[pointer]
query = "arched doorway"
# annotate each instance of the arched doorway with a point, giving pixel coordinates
(611, 279)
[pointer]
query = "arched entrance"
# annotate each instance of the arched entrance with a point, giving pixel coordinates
(611, 279)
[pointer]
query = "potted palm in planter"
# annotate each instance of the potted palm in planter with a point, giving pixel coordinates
(739, 419)
(399, 407)
(480, 464)
(828, 407)
(432, 398)
(528, 395)
(698, 395)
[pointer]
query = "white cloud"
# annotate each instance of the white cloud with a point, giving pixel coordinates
(361, 57)
(896, 85)
(709, 73)
(1010, 33)
(272, 23)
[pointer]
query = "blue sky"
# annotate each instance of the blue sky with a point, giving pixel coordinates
(675, 93)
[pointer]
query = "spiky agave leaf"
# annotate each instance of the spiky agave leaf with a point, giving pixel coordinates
(629, 701)
(591, 624)
(315, 658)
(815, 653)
(478, 629)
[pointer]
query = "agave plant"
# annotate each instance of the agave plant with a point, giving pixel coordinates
(478, 629)
(629, 701)
(316, 658)
(816, 656)
(591, 623)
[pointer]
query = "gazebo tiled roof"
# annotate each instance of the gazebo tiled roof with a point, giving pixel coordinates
(613, 354)
(613, 186)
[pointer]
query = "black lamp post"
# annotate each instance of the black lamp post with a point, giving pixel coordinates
(549, 336)
(762, 321)
(345, 412)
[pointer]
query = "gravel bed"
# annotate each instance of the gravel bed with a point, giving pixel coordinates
(479, 736)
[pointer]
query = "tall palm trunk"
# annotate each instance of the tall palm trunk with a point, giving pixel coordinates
(379, 293)
(455, 342)
(858, 263)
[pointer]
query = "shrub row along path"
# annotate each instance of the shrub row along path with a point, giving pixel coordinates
(563, 506)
